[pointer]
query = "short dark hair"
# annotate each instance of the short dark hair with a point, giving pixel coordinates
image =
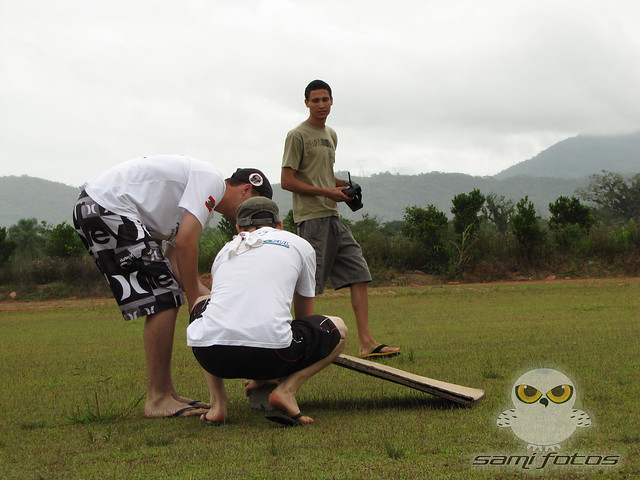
(316, 85)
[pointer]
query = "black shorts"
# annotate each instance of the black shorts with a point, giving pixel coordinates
(314, 338)
(138, 273)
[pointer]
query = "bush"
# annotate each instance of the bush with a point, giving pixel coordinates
(7, 247)
(46, 270)
(210, 243)
(376, 246)
(527, 229)
(427, 230)
(64, 242)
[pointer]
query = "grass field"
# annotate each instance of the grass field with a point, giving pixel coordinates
(73, 374)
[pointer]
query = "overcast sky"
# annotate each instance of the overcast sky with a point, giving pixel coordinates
(428, 85)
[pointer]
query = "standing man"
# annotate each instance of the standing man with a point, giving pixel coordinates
(119, 216)
(307, 172)
(246, 329)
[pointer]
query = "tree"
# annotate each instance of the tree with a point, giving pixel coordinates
(288, 224)
(465, 209)
(392, 228)
(570, 221)
(526, 227)
(567, 211)
(7, 246)
(210, 243)
(64, 242)
(30, 238)
(227, 228)
(368, 225)
(427, 228)
(375, 244)
(498, 211)
(615, 197)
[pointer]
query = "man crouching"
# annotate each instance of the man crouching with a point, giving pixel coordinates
(245, 329)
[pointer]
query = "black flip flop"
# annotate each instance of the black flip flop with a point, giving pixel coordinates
(284, 419)
(211, 423)
(179, 413)
(376, 353)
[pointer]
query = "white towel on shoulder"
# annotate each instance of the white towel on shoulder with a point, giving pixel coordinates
(243, 242)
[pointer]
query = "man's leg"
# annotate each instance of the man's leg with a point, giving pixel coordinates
(283, 397)
(88, 218)
(218, 398)
(162, 398)
(349, 267)
(360, 304)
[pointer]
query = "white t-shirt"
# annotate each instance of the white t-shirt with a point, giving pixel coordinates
(157, 190)
(251, 293)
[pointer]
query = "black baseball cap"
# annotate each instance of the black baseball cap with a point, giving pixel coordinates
(253, 206)
(256, 178)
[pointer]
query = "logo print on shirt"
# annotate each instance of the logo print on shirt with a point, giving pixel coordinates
(210, 203)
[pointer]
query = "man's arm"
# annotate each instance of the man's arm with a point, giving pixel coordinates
(186, 258)
(290, 181)
(302, 306)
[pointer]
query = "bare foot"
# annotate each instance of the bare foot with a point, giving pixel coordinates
(191, 402)
(217, 414)
(286, 402)
(182, 410)
(251, 385)
(168, 406)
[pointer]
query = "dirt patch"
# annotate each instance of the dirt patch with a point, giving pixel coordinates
(411, 280)
(417, 279)
(30, 306)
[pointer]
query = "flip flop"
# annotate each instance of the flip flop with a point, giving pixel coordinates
(199, 404)
(211, 423)
(284, 419)
(179, 413)
(376, 353)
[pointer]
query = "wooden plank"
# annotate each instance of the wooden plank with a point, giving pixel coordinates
(456, 393)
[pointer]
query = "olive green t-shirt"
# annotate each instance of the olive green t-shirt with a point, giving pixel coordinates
(311, 151)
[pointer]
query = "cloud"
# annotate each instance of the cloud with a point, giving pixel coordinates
(462, 86)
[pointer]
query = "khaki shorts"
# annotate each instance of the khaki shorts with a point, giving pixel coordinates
(339, 258)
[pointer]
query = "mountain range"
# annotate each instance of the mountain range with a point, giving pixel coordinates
(558, 170)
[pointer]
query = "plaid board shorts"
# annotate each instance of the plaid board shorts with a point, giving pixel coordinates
(138, 273)
(339, 257)
(314, 338)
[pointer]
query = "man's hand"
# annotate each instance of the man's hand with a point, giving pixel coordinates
(336, 194)
(289, 181)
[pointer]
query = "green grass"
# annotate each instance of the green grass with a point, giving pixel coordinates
(73, 379)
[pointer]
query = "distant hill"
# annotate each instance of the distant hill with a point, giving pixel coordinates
(558, 170)
(582, 156)
(386, 195)
(30, 197)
